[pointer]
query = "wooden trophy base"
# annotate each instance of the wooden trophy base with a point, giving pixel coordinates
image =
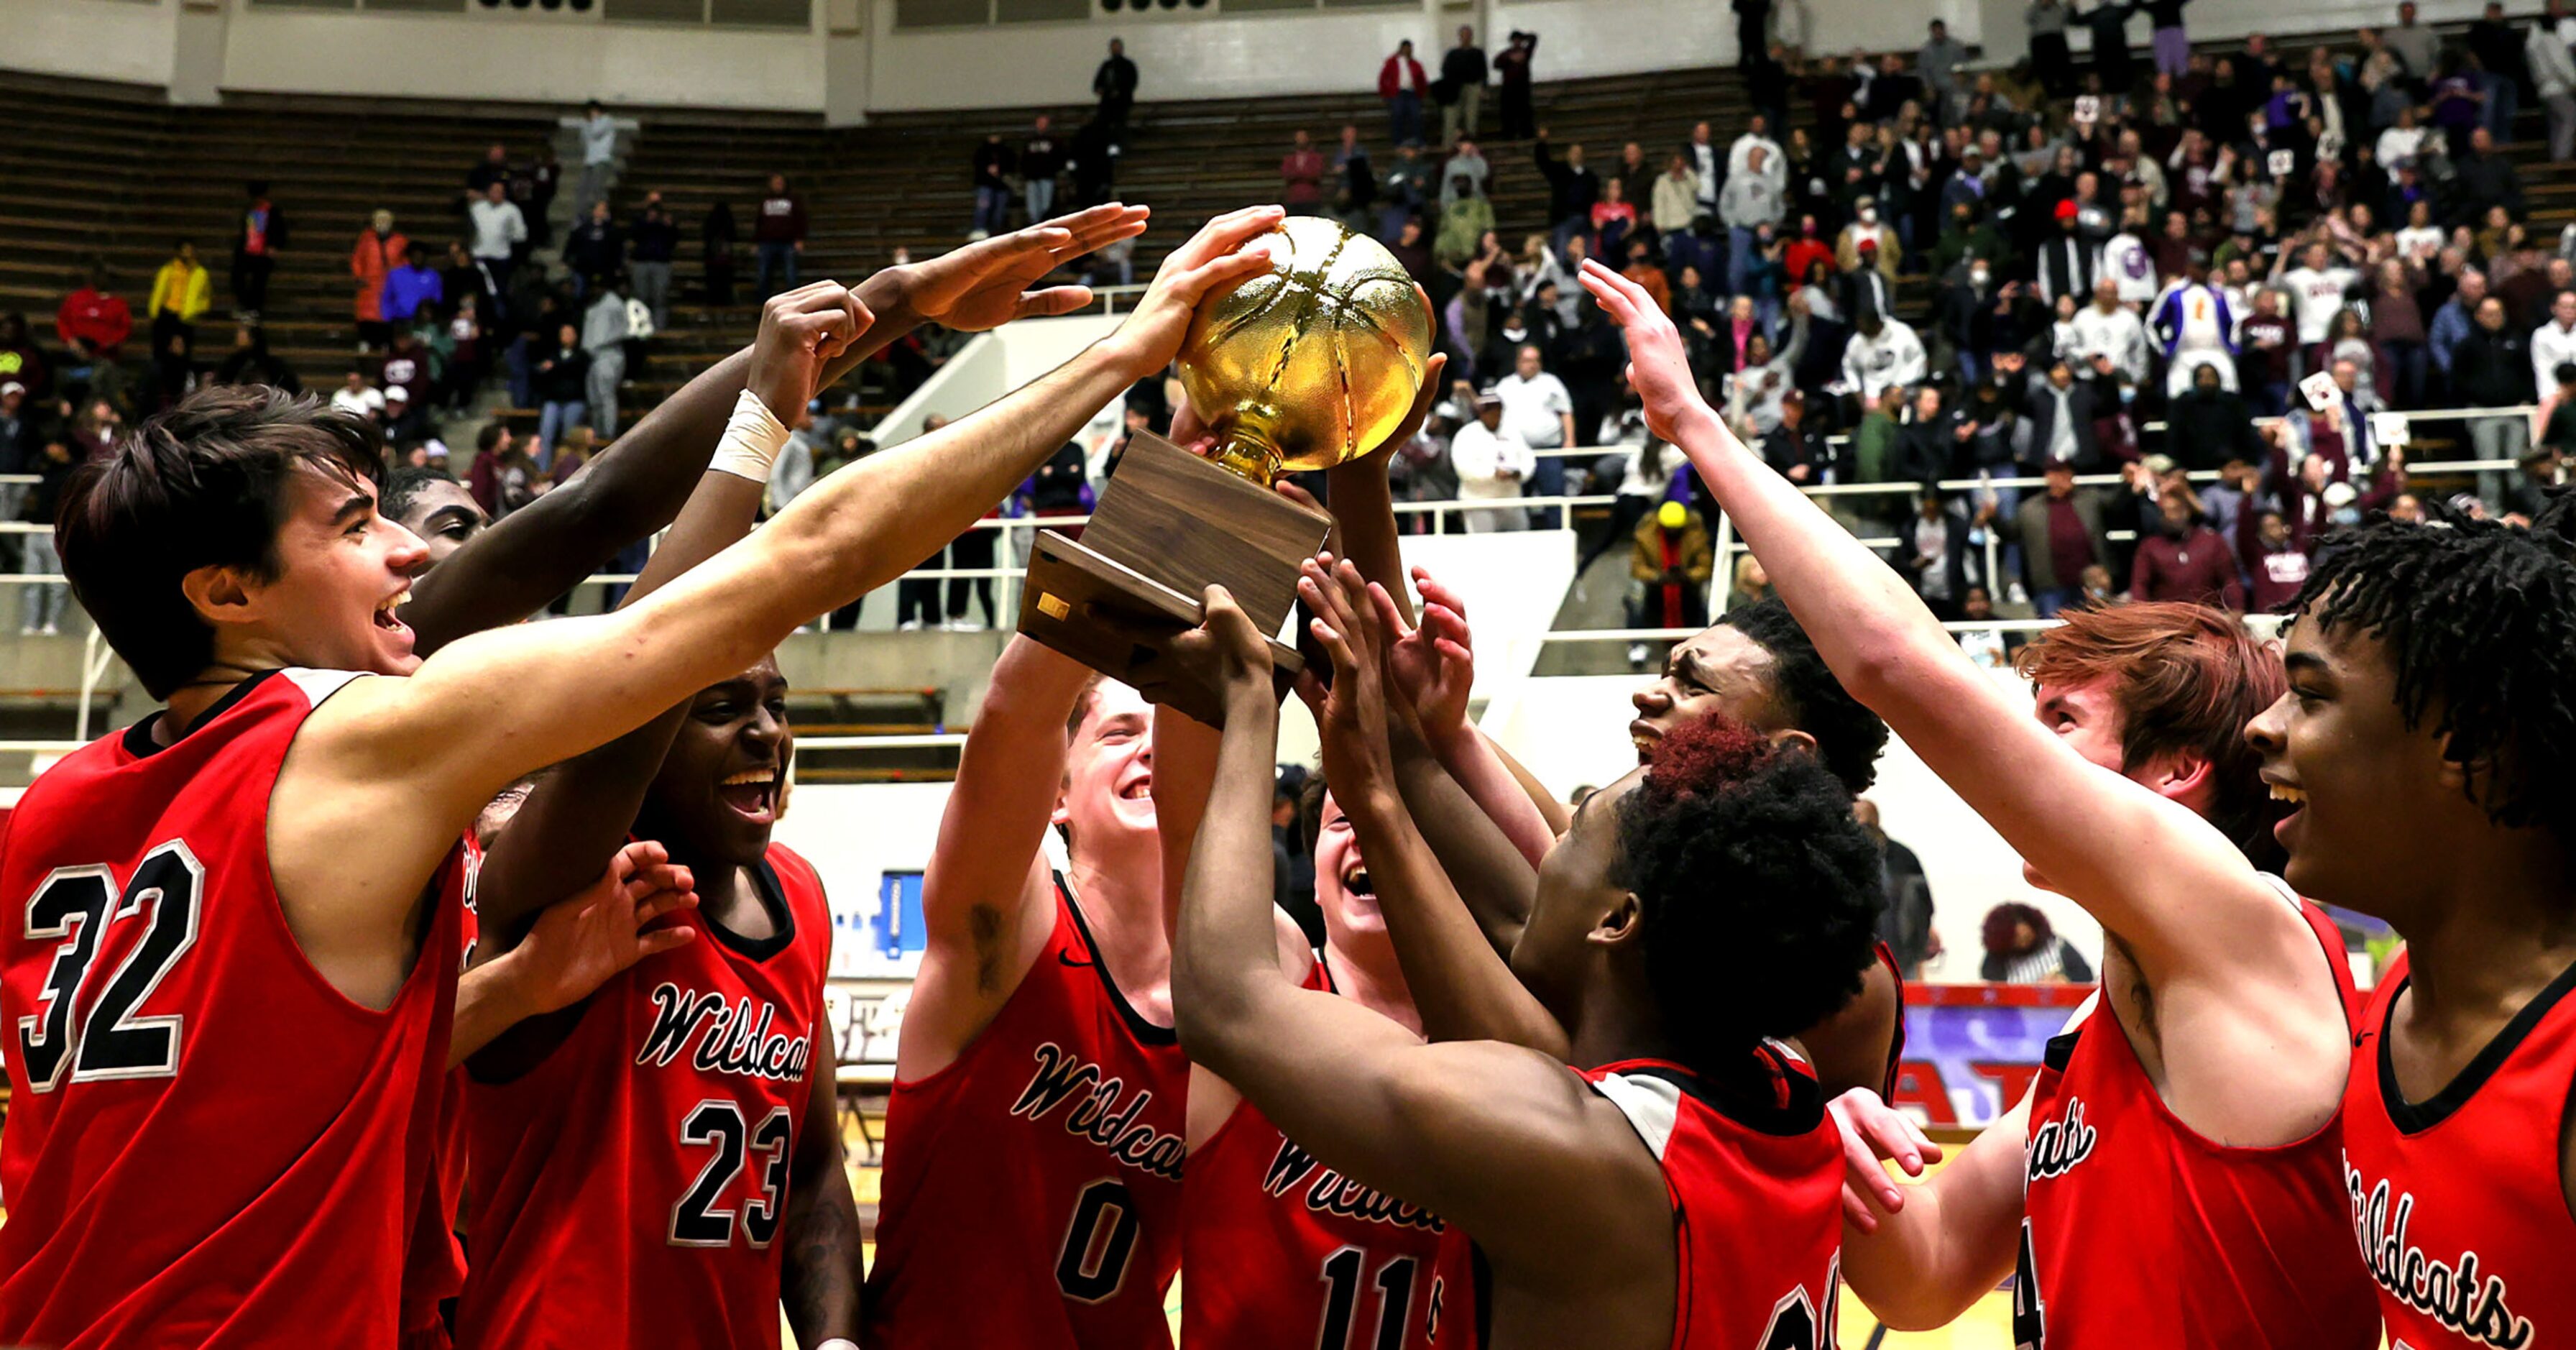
(1169, 525)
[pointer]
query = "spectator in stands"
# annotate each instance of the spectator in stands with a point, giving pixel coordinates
(993, 165)
(358, 397)
(251, 362)
(2265, 343)
(2061, 535)
(1940, 59)
(917, 599)
(2553, 344)
(2109, 338)
(1538, 413)
(2487, 179)
(532, 189)
(717, 235)
(603, 340)
(493, 168)
(781, 235)
(970, 550)
(1114, 84)
(1670, 559)
(1883, 351)
(462, 356)
(2207, 424)
(1041, 162)
(598, 157)
(1301, 177)
(595, 248)
(41, 612)
(1407, 195)
(2553, 77)
(1572, 189)
(2068, 263)
(562, 386)
(2049, 58)
(404, 377)
(793, 471)
(2413, 44)
(1613, 217)
(257, 239)
(2022, 949)
(1465, 218)
(656, 240)
(2500, 70)
(1512, 72)
(1676, 199)
(93, 323)
(2183, 559)
(1469, 163)
(379, 250)
(181, 291)
(1749, 201)
(413, 292)
(2108, 21)
(1400, 82)
(1932, 552)
(20, 358)
(2531, 490)
(1462, 87)
(1491, 465)
(2493, 369)
(1354, 184)
(498, 230)
(2317, 287)
(2273, 559)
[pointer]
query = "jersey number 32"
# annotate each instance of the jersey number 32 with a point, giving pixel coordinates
(77, 905)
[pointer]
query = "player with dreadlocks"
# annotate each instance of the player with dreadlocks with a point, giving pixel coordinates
(2423, 747)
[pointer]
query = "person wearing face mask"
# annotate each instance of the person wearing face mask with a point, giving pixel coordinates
(1962, 315)
(1867, 227)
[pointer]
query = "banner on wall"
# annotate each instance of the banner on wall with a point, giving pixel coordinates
(1972, 1049)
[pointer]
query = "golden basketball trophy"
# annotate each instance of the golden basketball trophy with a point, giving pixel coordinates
(1298, 368)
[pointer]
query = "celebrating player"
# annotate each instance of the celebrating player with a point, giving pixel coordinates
(2423, 746)
(192, 904)
(1680, 1193)
(2203, 1111)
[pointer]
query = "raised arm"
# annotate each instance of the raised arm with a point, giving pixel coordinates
(581, 812)
(2183, 901)
(1434, 668)
(1459, 981)
(1487, 1136)
(1920, 1255)
(533, 555)
(429, 751)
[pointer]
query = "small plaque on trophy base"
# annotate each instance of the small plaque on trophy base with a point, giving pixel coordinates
(1169, 525)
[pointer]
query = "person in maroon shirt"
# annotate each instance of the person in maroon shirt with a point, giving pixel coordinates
(780, 232)
(1301, 175)
(2186, 560)
(2264, 343)
(2273, 559)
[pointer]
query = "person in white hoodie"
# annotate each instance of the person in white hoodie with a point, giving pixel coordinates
(1882, 352)
(2126, 261)
(2553, 74)
(1491, 466)
(2109, 337)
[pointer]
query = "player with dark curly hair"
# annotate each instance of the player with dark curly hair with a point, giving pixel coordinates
(2423, 748)
(1682, 1191)
(2196, 1098)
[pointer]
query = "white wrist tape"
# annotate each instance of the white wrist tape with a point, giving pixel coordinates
(752, 439)
(838, 1343)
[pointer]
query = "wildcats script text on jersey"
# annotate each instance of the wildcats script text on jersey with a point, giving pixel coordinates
(1333, 1193)
(2460, 1294)
(731, 1038)
(1100, 1116)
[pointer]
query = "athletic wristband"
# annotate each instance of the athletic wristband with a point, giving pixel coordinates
(753, 436)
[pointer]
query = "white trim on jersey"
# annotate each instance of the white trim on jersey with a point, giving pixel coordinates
(1652, 1105)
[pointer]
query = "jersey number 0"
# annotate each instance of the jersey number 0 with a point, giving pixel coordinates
(76, 905)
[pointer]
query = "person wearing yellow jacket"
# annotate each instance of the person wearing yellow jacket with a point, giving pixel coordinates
(181, 291)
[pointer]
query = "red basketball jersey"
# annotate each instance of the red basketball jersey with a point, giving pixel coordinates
(434, 1270)
(208, 1144)
(629, 1189)
(2139, 1231)
(1895, 1043)
(2457, 1200)
(1032, 1189)
(1284, 1253)
(1756, 1175)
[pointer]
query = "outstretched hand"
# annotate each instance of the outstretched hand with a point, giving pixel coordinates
(1224, 652)
(1431, 666)
(1213, 257)
(1351, 713)
(1658, 368)
(984, 285)
(1872, 1130)
(583, 940)
(801, 332)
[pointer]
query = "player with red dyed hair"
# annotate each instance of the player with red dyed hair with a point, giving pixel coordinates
(2197, 1099)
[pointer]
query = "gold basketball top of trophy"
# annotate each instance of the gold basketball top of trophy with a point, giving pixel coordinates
(1312, 362)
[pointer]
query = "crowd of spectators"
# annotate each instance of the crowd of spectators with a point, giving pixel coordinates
(2152, 307)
